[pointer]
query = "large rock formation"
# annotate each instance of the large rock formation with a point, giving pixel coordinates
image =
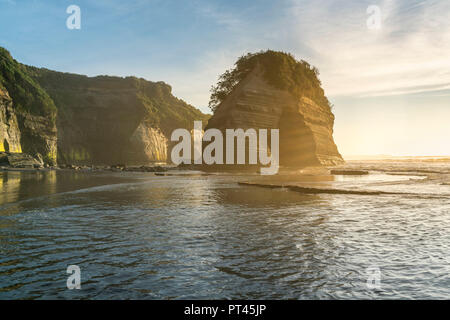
(305, 125)
(88, 120)
(9, 127)
(108, 120)
(28, 113)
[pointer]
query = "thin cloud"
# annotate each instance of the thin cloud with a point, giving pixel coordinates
(223, 18)
(408, 91)
(411, 49)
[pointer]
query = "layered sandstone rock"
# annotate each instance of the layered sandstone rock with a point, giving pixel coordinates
(306, 128)
(110, 120)
(150, 142)
(11, 138)
(19, 160)
(38, 136)
(27, 113)
(9, 127)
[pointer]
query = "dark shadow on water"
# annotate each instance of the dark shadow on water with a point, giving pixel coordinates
(24, 186)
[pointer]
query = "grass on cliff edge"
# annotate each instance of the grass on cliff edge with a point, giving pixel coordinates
(153, 100)
(281, 70)
(27, 94)
(42, 92)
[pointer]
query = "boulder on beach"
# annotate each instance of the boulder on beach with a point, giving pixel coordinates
(19, 160)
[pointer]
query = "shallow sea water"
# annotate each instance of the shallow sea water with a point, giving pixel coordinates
(140, 236)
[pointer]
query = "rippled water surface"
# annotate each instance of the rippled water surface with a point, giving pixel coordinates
(180, 237)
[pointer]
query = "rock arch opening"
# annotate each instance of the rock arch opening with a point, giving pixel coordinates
(6, 145)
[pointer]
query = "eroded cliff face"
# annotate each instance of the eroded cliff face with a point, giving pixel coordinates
(112, 120)
(27, 113)
(22, 131)
(150, 143)
(306, 128)
(9, 127)
(75, 119)
(38, 136)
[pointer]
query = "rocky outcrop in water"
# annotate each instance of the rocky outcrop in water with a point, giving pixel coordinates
(260, 100)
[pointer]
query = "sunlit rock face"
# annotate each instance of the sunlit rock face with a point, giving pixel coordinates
(306, 128)
(149, 143)
(28, 113)
(9, 128)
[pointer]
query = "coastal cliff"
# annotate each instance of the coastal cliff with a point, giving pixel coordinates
(75, 119)
(107, 120)
(104, 120)
(271, 90)
(28, 114)
(9, 127)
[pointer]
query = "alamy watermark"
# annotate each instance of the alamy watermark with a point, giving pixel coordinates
(74, 280)
(259, 149)
(373, 278)
(374, 20)
(74, 20)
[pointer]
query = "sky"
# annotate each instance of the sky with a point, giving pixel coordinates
(389, 82)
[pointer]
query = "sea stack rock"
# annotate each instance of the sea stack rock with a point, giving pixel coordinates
(271, 90)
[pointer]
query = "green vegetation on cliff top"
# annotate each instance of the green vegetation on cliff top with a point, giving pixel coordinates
(88, 113)
(27, 94)
(160, 108)
(281, 70)
(42, 92)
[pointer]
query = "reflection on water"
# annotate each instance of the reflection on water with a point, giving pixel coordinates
(16, 185)
(376, 177)
(149, 237)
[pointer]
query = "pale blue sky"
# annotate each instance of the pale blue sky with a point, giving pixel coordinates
(390, 87)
